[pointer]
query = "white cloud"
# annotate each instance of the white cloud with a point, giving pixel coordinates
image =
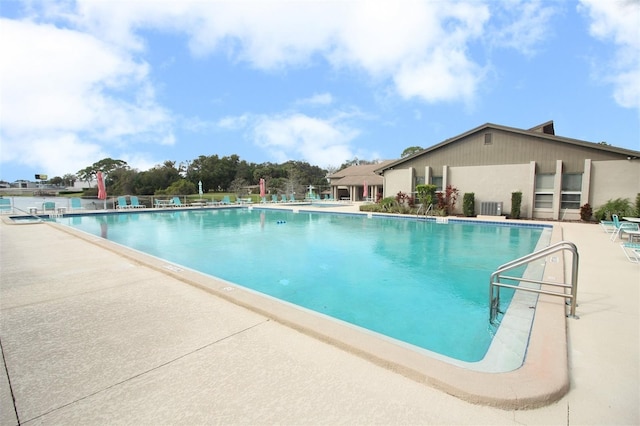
(62, 87)
(445, 76)
(389, 41)
(619, 22)
(319, 99)
(234, 122)
(55, 154)
(520, 24)
(298, 136)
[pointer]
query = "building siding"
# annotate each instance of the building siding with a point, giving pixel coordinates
(509, 148)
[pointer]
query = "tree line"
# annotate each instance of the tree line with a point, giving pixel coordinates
(217, 174)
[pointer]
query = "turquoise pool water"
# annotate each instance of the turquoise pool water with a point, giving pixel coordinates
(416, 281)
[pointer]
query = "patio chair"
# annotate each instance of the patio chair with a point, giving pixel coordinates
(122, 203)
(610, 225)
(283, 198)
(76, 204)
(135, 203)
(274, 198)
(632, 251)
(5, 205)
(175, 202)
(621, 227)
(225, 200)
(48, 205)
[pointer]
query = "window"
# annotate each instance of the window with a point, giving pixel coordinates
(437, 181)
(488, 139)
(544, 191)
(571, 191)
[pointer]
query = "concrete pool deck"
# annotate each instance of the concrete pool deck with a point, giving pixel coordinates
(94, 337)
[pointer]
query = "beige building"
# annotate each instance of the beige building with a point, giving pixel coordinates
(556, 175)
(349, 184)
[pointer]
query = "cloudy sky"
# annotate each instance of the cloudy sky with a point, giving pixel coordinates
(318, 81)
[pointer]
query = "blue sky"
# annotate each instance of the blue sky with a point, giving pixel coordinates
(317, 81)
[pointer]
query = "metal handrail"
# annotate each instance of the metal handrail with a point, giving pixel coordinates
(495, 284)
(28, 213)
(426, 211)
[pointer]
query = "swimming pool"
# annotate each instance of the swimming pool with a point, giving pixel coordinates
(419, 282)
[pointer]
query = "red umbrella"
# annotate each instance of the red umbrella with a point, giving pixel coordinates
(262, 188)
(365, 192)
(102, 191)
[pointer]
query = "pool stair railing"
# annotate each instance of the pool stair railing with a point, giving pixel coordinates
(496, 281)
(424, 210)
(32, 213)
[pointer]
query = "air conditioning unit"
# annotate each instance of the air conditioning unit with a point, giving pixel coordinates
(491, 208)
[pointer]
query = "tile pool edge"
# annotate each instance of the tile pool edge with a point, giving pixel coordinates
(542, 379)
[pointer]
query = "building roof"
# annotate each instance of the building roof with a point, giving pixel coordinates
(357, 175)
(545, 131)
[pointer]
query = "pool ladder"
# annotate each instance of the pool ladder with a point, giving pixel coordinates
(495, 282)
(426, 211)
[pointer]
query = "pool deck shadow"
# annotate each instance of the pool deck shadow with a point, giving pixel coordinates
(96, 333)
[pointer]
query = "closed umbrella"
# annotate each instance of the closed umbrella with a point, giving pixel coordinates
(263, 191)
(365, 191)
(200, 188)
(102, 190)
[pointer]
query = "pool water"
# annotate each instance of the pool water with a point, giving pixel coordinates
(420, 282)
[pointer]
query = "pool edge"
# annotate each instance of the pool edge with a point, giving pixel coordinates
(541, 380)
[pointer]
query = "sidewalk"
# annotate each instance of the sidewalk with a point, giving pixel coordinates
(91, 337)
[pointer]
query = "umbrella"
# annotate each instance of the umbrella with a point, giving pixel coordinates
(102, 191)
(262, 188)
(365, 191)
(200, 188)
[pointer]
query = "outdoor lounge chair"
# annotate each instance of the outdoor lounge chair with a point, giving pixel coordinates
(175, 202)
(274, 198)
(610, 225)
(122, 203)
(76, 204)
(135, 203)
(632, 251)
(225, 200)
(621, 227)
(5, 205)
(48, 205)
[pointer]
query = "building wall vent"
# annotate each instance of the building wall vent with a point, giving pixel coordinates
(491, 208)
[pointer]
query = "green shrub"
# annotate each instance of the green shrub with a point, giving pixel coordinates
(469, 204)
(637, 205)
(388, 204)
(426, 194)
(516, 203)
(372, 207)
(619, 206)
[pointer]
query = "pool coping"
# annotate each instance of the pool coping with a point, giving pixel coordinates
(542, 379)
